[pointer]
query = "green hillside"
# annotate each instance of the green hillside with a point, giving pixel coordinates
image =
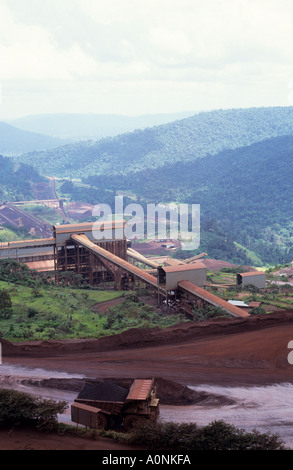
(33, 309)
(180, 141)
(237, 164)
(15, 180)
(245, 195)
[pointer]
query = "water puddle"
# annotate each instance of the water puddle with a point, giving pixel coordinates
(267, 409)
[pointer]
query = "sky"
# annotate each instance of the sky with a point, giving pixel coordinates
(137, 57)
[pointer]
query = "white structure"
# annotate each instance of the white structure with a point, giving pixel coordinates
(169, 276)
(256, 278)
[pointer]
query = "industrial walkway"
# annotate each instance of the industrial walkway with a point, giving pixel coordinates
(116, 260)
(212, 299)
(141, 259)
(186, 286)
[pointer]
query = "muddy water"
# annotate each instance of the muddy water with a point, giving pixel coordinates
(267, 409)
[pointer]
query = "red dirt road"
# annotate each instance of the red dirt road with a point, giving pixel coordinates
(250, 351)
(246, 351)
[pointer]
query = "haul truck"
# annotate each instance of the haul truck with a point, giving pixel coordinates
(105, 405)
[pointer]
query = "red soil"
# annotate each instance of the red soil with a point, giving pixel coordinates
(250, 351)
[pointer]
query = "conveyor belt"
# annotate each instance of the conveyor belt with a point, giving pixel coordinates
(138, 257)
(121, 263)
(152, 280)
(212, 299)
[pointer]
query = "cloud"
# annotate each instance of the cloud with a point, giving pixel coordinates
(29, 52)
(158, 50)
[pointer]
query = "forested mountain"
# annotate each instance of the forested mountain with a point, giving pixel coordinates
(15, 180)
(206, 133)
(91, 126)
(237, 164)
(15, 141)
(245, 194)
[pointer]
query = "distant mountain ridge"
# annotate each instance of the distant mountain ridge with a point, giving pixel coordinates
(93, 126)
(14, 141)
(206, 133)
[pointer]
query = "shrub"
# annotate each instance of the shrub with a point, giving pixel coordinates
(12, 271)
(18, 408)
(217, 435)
(257, 311)
(32, 312)
(208, 312)
(5, 304)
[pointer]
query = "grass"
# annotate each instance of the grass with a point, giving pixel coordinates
(7, 235)
(252, 257)
(53, 313)
(44, 313)
(273, 297)
(48, 214)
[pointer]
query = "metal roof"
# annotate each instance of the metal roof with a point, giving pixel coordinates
(28, 243)
(238, 303)
(87, 226)
(140, 389)
(183, 267)
(173, 262)
(252, 273)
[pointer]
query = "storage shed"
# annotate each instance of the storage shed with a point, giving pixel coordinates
(256, 278)
(169, 276)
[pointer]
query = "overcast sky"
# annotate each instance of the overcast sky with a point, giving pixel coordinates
(144, 56)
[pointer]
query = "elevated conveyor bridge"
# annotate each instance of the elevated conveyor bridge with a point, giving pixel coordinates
(113, 260)
(71, 250)
(185, 286)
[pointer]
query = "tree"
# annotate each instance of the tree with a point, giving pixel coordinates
(18, 408)
(5, 303)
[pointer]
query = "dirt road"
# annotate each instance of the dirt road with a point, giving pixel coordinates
(246, 351)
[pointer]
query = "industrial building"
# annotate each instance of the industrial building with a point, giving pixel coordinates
(29, 251)
(106, 261)
(169, 276)
(255, 278)
(70, 255)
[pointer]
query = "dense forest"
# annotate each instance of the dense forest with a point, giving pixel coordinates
(206, 133)
(245, 196)
(237, 164)
(15, 180)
